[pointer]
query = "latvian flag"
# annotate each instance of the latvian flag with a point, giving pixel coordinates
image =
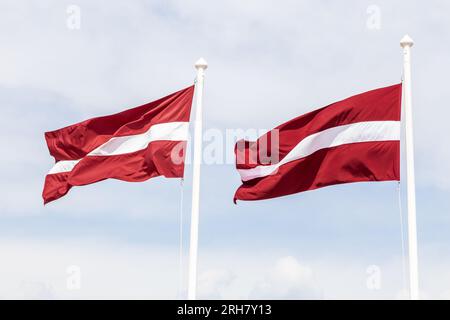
(356, 139)
(133, 145)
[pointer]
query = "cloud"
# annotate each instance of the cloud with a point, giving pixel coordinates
(36, 290)
(288, 279)
(36, 269)
(212, 282)
(109, 269)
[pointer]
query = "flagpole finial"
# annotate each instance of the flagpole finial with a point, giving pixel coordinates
(406, 41)
(201, 64)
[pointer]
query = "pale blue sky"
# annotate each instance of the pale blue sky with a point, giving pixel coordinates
(269, 61)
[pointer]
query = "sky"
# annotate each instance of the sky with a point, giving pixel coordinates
(269, 61)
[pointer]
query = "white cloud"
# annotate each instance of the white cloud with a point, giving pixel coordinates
(37, 269)
(36, 290)
(211, 283)
(287, 280)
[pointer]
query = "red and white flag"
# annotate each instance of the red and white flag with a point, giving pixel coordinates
(133, 145)
(356, 139)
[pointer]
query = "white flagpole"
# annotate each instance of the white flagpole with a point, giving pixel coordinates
(201, 66)
(406, 43)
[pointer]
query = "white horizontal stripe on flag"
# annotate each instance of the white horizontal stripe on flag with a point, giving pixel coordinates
(63, 166)
(332, 137)
(170, 131)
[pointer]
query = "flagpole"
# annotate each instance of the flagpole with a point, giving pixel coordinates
(406, 43)
(201, 66)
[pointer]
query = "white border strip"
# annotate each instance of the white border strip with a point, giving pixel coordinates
(333, 137)
(170, 131)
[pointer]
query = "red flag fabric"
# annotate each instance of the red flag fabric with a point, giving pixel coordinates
(133, 145)
(353, 140)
